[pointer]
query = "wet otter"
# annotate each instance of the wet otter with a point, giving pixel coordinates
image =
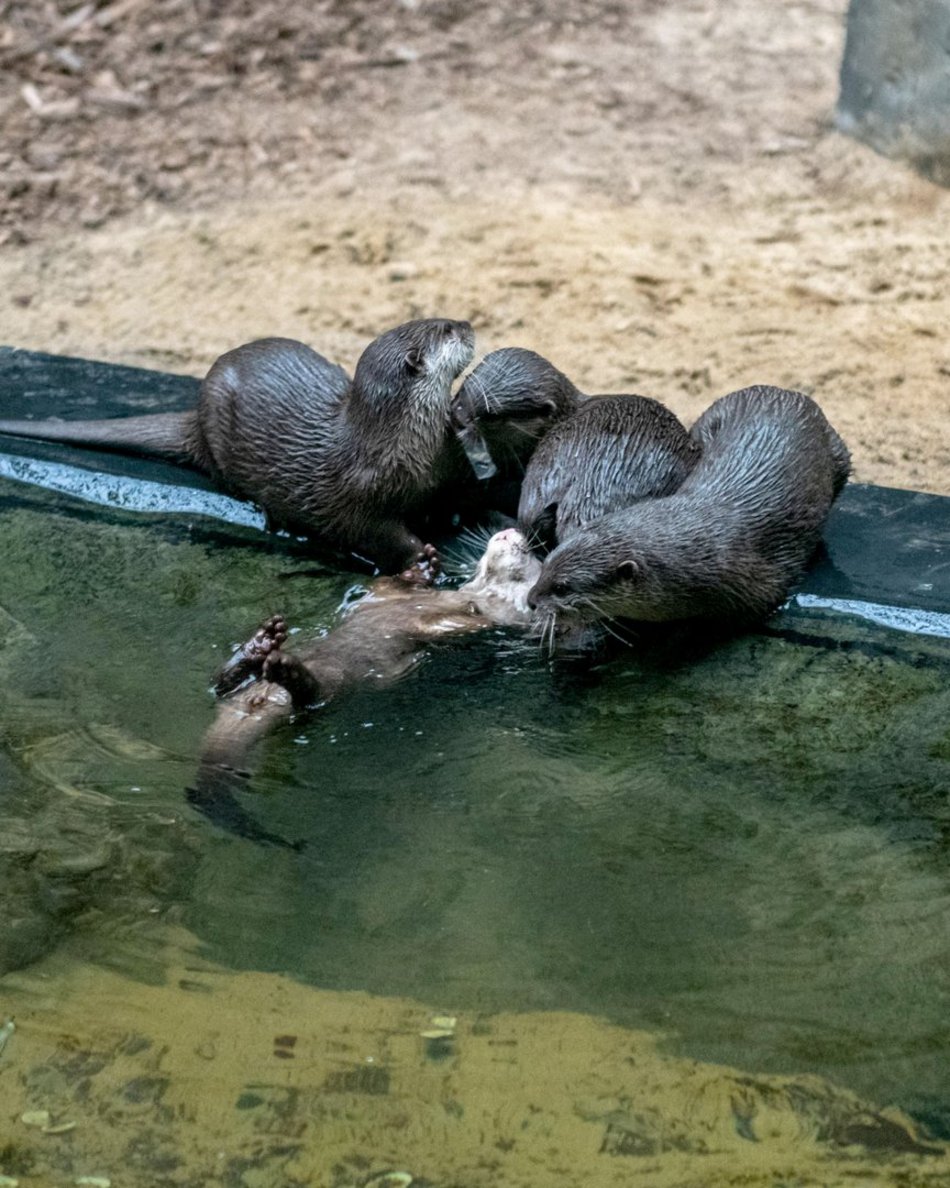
(729, 543)
(380, 639)
(508, 408)
(506, 405)
(612, 452)
(346, 461)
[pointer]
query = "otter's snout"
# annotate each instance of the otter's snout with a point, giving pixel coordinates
(457, 344)
(477, 451)
(458, 339)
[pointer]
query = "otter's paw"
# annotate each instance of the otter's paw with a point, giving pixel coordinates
(425, 569)
(248, 660)
(293, 675)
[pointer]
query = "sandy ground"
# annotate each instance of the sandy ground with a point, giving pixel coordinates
(653, 196)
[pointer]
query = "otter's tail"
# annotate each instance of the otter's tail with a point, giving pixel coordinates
(214, 795)
(241, 721)
(169, 435)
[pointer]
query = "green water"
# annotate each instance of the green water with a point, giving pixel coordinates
(747, 852)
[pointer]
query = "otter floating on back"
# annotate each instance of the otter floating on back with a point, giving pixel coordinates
(380, 639)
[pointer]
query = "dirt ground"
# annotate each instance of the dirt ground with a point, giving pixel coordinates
(651, 194)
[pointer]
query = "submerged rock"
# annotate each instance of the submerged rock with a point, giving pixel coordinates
(58, 871)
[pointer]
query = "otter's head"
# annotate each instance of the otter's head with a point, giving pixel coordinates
(506, 406)
(597, 574)
(505, 573)
(417, 360)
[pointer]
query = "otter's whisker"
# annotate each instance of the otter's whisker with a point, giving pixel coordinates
(552, 631)
(461, 557)
(611, 630)
(515, 427)
(482, 391)
(540, 633)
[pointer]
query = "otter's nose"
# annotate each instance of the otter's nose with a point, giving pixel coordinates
(532, 598)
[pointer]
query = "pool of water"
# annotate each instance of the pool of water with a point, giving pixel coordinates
(744, 849)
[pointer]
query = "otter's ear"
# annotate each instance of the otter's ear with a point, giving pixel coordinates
(627, 571)
(413, 361)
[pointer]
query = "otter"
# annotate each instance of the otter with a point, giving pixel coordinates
(506, 405)
(345, 461)
(610, 453)
(381, 638)
(511, 404)
(729, 543)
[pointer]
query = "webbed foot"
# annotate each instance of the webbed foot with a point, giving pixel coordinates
(248, 660)
(425, 569)
(292, 674)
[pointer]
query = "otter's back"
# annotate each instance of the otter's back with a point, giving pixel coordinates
(770, 454)
(609, 454)
(267, 412)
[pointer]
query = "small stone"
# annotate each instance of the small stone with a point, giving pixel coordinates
(563, 54)
(38, 1118)
(343, 183)
(60, 1128)
(436, 1033)
(45, 157)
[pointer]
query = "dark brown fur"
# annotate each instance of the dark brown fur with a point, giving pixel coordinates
(500, 413)
(730, 542)
(379, 640)
(509, 402)
(612, 452)
(346, 461)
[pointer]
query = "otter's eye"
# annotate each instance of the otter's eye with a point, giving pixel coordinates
(560, 588)
(413, 361)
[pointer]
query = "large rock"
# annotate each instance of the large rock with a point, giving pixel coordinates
(895, 81)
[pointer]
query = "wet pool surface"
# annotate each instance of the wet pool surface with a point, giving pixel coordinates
(744, 851)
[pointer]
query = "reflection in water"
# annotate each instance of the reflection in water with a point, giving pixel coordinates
(730, 850)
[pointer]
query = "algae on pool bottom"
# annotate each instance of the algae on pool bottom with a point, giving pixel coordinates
(251, 1079)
